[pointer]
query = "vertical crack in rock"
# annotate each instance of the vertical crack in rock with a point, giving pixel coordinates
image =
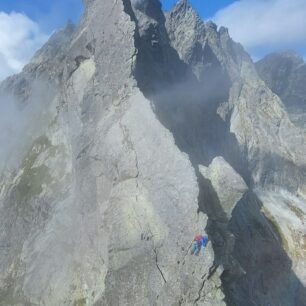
(200, 290)
(157, 266)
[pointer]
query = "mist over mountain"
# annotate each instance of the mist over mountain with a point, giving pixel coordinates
(129, 134)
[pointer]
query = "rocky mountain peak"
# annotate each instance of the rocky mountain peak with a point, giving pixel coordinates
(191, 36)
(182, 9)
(154, 129)
(285, 74)
(289, 54)
(289, 58)
(182, 6)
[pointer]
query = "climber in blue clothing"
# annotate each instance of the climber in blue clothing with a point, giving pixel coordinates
(198, 242)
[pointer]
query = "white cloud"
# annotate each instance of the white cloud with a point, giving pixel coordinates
(266, 23)
(20, 37)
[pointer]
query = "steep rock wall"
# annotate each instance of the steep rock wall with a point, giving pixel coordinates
(103, 207)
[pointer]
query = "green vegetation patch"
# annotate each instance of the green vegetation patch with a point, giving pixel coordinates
(80, 302)
(33, 177)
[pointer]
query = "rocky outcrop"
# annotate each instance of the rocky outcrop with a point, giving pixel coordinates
(223, 187)
(226, 182)
(287, 217)
(101, 203)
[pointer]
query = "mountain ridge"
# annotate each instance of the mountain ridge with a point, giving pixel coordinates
(144, 114)
(285, 76)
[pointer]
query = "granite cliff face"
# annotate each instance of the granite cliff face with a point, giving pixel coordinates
(153, 128)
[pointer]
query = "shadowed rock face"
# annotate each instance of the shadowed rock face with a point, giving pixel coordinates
(255, 148)
(155, 128)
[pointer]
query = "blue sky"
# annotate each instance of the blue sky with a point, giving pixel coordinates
(206, 8)
(49, 14)
(53, 14)
(262, 26)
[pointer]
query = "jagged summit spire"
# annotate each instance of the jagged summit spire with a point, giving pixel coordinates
(182, 2)
(182, 5)
(183, 8)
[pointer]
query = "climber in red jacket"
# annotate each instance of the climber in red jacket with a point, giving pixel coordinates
(198, 242)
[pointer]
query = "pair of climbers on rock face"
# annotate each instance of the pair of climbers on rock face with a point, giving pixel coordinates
(199, 242)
